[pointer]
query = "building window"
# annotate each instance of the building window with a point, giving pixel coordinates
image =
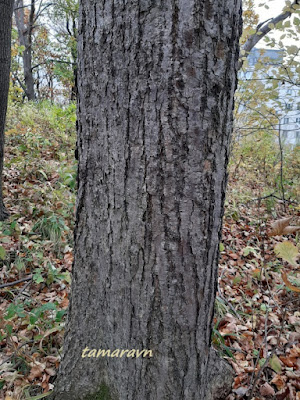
(286, 120)
(297, 120)
(297, 135)
(298, 106)
(289, 106)
(289, 91)
(284, 134)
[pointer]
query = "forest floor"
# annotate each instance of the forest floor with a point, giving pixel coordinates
(257, 319)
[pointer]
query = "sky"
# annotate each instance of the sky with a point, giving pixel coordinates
(276, 7)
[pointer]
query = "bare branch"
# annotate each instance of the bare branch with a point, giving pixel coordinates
(52, 60)
(263, 29)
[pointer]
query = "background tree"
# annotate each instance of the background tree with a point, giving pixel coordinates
(6, 9)
(25, 19)
(64, 22)
(156, 88)
(26, 16)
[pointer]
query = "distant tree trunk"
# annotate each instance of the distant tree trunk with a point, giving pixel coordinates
(25, 24)
(6, 10)
(73, 36)
(74, 88)
(156, 83)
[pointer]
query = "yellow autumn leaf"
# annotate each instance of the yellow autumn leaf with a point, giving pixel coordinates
(275, 363)
(288, 252)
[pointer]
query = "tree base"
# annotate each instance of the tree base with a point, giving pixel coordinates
(220, 377)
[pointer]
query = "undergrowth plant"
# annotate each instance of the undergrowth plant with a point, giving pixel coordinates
(36, 241)
(256, 161)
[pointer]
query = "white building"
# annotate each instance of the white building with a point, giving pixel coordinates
(287, 104)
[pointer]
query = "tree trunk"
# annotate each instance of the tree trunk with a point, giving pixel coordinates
(6, 9)
(73, 96)
(156, 82)
(74, 89)
(73, 34)
(25, 28)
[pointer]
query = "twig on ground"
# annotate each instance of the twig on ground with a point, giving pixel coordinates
(23, 288)
(27, 278)
(275, 197)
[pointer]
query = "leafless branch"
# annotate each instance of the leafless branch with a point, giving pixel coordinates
(263, 29)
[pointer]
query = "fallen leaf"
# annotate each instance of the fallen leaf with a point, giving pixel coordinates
(287, 251)
(278, 381)
(280, 226)
(288, 284)
(36, 372)
(241, 391)
(233, 256)
(288, 230)
(282, 394)
(275, 363)
(266, 390)
(50, 371)
(293, 375)
(288, 361)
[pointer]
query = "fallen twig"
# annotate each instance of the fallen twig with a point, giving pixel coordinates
(27, 278)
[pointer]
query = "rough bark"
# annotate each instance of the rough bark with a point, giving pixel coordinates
(156, 85)
(25, 25)
(6, 9)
